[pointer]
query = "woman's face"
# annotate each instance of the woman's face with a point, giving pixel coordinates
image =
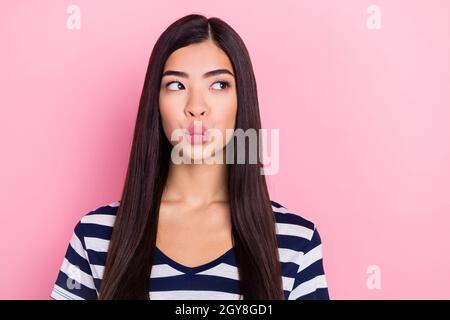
(198, 92)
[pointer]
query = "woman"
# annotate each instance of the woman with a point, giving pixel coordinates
(194, 229)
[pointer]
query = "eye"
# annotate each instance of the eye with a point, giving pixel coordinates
(174, 85)
(224, 85)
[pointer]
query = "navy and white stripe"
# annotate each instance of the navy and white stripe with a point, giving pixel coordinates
(299, 247)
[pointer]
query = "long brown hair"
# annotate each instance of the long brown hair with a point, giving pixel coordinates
(131, 249)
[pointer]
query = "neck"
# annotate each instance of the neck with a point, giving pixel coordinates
(196, 184)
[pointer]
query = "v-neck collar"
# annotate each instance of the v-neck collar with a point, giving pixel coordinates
(192, 270)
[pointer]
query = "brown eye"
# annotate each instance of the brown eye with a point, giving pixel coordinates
(222, 85)
(174, 85)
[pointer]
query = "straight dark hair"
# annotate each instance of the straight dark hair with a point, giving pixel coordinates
(133, 240)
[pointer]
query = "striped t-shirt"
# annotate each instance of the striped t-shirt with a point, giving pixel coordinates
(299, 248)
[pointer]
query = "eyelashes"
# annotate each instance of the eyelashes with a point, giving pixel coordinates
(172, 82)
(226, 85)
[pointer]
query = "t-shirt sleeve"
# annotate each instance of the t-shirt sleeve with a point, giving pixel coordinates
(75, 280)
(310, 282)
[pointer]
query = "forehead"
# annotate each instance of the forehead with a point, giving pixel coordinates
(198, 58)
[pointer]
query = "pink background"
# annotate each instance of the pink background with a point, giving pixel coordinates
(363, 117)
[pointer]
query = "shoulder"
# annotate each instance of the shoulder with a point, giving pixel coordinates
(98, 222)
(105, 209)
(293, 230)
(284, 215)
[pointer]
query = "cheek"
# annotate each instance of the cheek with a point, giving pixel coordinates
(225, 110)
(226, 118)
(168, 119)
(229, 115)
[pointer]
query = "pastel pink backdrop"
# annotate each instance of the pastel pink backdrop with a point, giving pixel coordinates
(363, 117)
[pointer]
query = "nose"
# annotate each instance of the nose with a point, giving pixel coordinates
(195, 113)
(195, 107)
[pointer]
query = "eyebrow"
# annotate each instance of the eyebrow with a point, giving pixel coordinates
(206, 75)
